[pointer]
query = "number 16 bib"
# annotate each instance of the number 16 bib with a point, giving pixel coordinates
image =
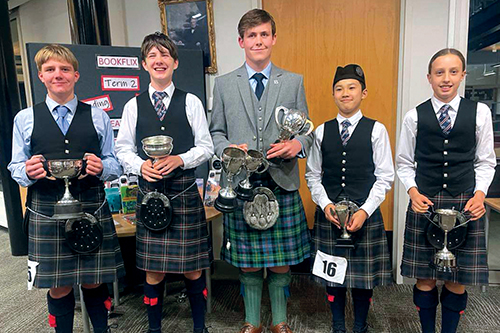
(329, 267)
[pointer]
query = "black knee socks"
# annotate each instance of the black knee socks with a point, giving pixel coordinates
(361, 302)
(452, 306)
(153, 298)
(98, 304)
(336, 297)
(197, 293)
(426, 303)
(61, 312)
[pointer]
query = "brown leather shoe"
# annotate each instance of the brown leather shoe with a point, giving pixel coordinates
(249, 328)
(281, 328)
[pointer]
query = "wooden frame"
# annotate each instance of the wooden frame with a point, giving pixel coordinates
(190, 24)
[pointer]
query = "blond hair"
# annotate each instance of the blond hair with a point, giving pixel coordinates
(56, 51)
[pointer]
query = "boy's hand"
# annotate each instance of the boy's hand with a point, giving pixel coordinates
(168, 164)
(285, 149)
(419, 203)
(148, 173)
(475, 205)
(357, 221)
(94, 164)
(34, 167)
(330, 215)
(243, 146)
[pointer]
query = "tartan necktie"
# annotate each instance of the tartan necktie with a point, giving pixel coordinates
(444, 119)
(161, 109)
(344, 135)
(259, 89)
(62, 122)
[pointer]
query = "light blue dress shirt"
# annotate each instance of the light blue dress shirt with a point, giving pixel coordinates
(21, 141)
(251, 72)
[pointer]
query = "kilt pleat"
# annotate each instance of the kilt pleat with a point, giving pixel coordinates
(58, 264)
(185, 245)
(369, 264)
(286, 243)
(472, 261)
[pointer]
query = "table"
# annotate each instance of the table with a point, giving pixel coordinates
(490, 203)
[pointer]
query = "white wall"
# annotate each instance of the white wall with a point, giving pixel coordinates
(426, 27)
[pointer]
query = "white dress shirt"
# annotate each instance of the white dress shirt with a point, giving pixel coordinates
(126, 149)
(382, 158)
(484, 161)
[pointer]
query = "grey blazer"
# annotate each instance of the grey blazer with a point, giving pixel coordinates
(234, 119)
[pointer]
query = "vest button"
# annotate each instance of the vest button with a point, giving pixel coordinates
(66, 151)
(254, 138)
(260, 118)
(445, 185)
(343, 161)
(446, 141)
(343, 177)
(445, 153)
(445, 163)
(344, 153)
(343, 169)
(162, 128)
(260, 129)
(66, 141)
(260, 139)
(260, 108)
(343, 185)
(445, 175)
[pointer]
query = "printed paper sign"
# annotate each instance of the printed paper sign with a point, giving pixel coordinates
(329, 267)
(120, 83)
(101, 102)
(32, 268)
(117, 62)
(115, 123)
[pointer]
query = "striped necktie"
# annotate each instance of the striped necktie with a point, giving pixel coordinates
(344, 135)
(161, 109)
(444, 119)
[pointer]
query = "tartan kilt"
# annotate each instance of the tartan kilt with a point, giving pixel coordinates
(472, 261)
(368, 265)
(286, 243)
(58, 265)
(185, 245)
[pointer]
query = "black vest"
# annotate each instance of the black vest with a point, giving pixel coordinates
(48, 140)
(175, 123)
(445, 161)
(348, 170)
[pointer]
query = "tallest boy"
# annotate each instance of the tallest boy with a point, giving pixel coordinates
(243, 115)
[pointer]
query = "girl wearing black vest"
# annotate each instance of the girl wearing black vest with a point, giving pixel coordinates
(445, 159)
(64, 128)
(182, 248)
(351, 159)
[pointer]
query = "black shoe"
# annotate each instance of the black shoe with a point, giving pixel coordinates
(364, 330)
(205, 330)
(336, 330)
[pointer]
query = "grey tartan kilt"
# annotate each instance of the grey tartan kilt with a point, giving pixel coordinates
(368, 265)
(185, 245)
(58, 264)
(472, 258)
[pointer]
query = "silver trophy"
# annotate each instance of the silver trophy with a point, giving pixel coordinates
(233, 160)
(157, 147)
(290, 123)
(255, 163)
(65, 169)
(344, 210)
(447, 220)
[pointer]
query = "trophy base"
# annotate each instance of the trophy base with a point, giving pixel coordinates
(245, 194)
(444, 265)
(225, 205)
(345, 243)
(68, 211)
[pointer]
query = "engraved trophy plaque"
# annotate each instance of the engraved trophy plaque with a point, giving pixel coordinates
(232, 159)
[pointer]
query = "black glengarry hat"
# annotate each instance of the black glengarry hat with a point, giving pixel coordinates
(351, 71)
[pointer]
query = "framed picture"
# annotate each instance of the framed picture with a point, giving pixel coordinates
(190, 24)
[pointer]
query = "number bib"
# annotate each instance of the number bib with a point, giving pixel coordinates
(329, 267)
(32, 268)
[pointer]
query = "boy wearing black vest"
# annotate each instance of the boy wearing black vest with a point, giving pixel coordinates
(64, 128)
(445, 159)
(351, 159)
(182, 248)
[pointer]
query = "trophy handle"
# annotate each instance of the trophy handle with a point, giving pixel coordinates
(47, 170)
(263, 167)
(310, 128)
(430, 216)
(83, 172)
(277, 112)
(463, 219)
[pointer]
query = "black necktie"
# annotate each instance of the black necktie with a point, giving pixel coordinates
(259, 89)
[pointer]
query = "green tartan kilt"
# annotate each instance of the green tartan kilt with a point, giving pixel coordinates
(286, 243)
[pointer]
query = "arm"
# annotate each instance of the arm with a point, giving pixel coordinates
(218, 125)
(111, 169)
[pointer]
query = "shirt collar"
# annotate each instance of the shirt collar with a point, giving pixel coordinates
(437, 104)
(266, 71)
(169, 90)
(71, 105)
(354, 119)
